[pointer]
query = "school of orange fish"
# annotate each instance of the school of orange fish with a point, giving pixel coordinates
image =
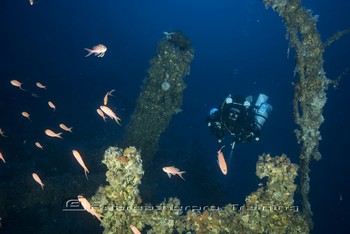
(103, 111)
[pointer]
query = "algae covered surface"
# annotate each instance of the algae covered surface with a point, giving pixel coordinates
(270, 209)
(161, 95)
(310, 94)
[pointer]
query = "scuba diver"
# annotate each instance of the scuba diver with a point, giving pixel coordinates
(239, 118)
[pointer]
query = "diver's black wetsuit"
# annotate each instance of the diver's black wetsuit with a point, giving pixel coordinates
(236, 119)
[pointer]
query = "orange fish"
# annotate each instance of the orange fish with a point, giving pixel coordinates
(98, 50)
(105, 99)
(26, 114)
(2, 133)
(221, 161)
(52, 105)
(100, 113)
(40, 85)
(17, 84)
(38, 180)
(88, 207)
(53, 134)
(2, 157)
(110, 113)
(134, 229)
(37, 144)
(65, 128)
(80, 161)
(173, 171)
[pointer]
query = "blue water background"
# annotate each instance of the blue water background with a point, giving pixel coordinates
(240, 48)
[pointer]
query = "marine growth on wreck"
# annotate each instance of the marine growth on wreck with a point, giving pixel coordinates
(270, 209)
(162, 93)
(310, 90)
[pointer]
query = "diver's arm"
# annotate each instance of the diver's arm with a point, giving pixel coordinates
(215, 126)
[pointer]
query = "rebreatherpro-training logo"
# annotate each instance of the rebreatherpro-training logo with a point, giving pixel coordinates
(73, 204)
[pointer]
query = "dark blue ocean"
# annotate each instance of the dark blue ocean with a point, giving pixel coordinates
(240, 49)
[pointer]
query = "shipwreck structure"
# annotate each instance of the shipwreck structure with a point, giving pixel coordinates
(310, 90)
(121, 205)
(161, 95)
